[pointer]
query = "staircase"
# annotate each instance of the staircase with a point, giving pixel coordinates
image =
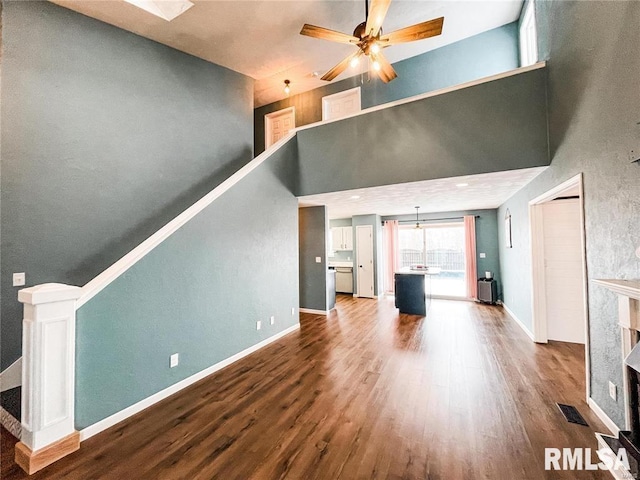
(10, 410)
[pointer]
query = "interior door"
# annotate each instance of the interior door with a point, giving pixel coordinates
(341, 104)
(364, 260)
(563, 271)
(278, 124)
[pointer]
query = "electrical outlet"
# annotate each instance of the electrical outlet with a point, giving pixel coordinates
(318, 259)
(19, 279)
(613, 391)
(273, 319)
(483, 255)
(175, 360)
(258, 325)
(293, 311)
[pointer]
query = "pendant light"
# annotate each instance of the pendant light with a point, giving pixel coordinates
(417, 221)
(287, 88)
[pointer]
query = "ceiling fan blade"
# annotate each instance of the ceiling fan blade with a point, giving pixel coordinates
(377, 12)
(326, 34)
(419, 31)
(386, 72)
(341, 67)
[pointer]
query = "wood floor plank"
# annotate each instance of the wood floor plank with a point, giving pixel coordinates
(364, 393)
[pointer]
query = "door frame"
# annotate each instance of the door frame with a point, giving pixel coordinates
(538, 281)
(373, 265)
(345, 93)
(268, 120)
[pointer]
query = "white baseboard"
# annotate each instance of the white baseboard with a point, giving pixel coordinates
(603, 416)
(314, 312)
(11, 377)
(517, 320)
(110, 421)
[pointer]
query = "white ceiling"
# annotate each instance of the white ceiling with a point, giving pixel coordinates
(488, 190)
(260, 38)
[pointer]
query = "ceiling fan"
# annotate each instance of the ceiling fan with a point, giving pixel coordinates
(370, 41)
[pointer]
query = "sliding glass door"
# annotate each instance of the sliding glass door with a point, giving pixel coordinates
(437, 245)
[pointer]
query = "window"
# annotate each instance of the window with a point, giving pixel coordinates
(440, 245)
(528, 37)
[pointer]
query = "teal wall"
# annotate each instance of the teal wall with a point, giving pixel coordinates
(482, 55)
(313, 236)
(106, 136)
(486, 236)
(494, 126)
(594, 109)
(199, 294)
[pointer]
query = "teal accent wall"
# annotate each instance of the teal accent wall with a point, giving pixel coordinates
(199, 294)
(313, 230)
(106, 136)
(486, 236)
(488, 53)
(591, 50)
(490, 127)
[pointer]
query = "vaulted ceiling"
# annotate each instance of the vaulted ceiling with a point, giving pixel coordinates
(260, 38)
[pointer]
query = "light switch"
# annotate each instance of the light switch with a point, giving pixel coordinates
(175, 360)
(483, 255)
(318, 259)
(19, 279)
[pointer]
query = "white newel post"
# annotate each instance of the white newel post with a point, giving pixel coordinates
(48, 375)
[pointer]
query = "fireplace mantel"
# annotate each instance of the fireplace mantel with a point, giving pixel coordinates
(628, 288)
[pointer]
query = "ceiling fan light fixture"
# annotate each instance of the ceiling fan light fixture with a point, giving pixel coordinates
(287, 87)
(355, 61)
(375, 48)
(376, 65)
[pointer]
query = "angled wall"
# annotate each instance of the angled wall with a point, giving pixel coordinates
(594, 109)
(106, 136)
(493, 126)
(198, 294)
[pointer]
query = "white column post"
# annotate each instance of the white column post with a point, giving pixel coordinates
(48, 375)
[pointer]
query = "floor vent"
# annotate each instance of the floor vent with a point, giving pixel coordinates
(571, 414)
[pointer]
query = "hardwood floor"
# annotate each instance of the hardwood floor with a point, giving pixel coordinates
(363, 394)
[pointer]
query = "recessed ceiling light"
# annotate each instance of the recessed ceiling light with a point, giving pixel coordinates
(462, 184)
(355, 197)
(165, 9)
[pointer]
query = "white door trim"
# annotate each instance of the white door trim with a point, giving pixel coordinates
(346, 93)
(539, 306)
(268, 118)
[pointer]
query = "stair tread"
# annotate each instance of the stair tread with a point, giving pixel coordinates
(10, 401)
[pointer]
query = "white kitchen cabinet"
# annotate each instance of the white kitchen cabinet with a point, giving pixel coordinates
(341, 239)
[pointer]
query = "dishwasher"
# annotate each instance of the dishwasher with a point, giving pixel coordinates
(344, 279)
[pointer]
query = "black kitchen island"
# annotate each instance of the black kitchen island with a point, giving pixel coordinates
(413, 290)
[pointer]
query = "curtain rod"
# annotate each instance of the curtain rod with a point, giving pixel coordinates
(433, 219)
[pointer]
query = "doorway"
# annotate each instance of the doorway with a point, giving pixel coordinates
(278, 124)
(558, 264)
(364, 261)
(341, 104)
